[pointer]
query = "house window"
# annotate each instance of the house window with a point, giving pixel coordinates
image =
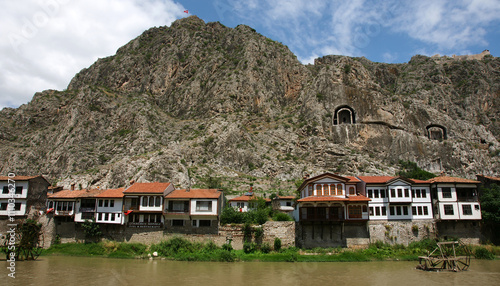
(106, 203)
(332, 190)
(100, 203)
(398, 210)
(476, 207)
(384, 211)
(393, 193)
(318, 190)
(371, 211)
(377, 211)
(240, 204)
(178, 206)
(50, 205)
(151, 201)
(111, 203)
(467, 209)
(340, 190)
(144, 201)
(407, 193)
(354, 211)
(426, 211)
(419, 210)
(177, 222)
(414, 211)
(106, 216)
(446, 193)
(400, 193)
(134, 218)
(99, 216)
(370, 193)
(424, 193)
(310, 190)
(158, 201)
(382, 193)
(375, 194)
(204, 223)
(352, 191)
(112, 217)
(405, 210)
(204, 206)
(3, 206)
(19, 190)
(448, 210)
(391, 211)
(288, 204)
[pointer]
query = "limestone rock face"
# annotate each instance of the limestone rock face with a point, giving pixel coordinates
(202, 100)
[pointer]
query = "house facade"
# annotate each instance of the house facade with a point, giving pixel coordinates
(332, 211)
(397, 198)
(455, 199)
(193, 210)
(144, 204)
(246, 202)
(110, 207)
(21, 195)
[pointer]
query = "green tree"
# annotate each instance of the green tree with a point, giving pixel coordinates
(91, 230)
(490, 210)
(411, 170)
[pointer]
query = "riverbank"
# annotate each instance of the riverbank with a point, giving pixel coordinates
(184, 250)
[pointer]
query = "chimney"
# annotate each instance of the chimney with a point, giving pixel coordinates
(72, 186)
(306, 176)
(132, 182)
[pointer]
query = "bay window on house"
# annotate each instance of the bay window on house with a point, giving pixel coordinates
(204, 206)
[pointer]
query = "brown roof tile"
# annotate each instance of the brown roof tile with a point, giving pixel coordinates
(245, 198)
(155, 187)
(376, 179)
(446, 179)
(68, 194)
(112, 193)
(194, 194)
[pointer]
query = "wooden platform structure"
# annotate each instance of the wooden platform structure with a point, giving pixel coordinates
(448, 256)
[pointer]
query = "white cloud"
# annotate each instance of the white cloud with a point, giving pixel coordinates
(47, 41)
(447, 24)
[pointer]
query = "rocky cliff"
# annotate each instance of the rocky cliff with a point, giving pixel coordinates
(234, 105)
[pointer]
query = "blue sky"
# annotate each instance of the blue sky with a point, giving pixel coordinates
(46, 42)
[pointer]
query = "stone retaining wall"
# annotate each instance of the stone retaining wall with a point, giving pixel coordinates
(400, 231)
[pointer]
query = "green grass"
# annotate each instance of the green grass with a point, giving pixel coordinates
(183, 250)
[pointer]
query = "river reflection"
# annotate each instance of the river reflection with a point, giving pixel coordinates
(61, 270)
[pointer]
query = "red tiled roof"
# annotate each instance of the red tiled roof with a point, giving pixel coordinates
(416, 181)
(359, 198)
(155, 187)
(353, 179)
(112, 193)
(68, 194)
(376, 179)
(194, 194)
(22, 178)
(247, 198)
(446, 179)
(286, 197)
(489, 177)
